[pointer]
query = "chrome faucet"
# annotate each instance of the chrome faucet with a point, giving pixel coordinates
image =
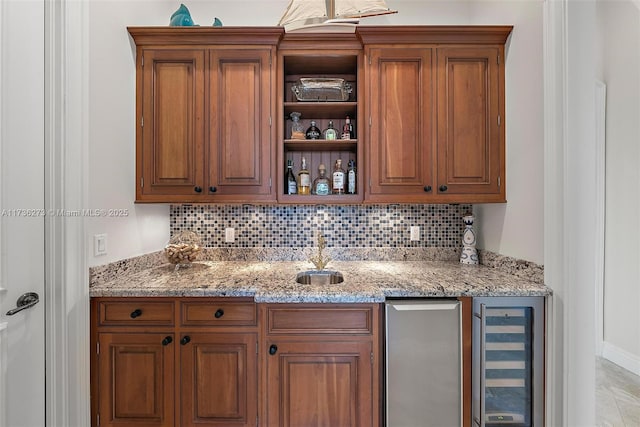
(320, 261)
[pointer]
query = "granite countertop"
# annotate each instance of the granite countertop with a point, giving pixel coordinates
(364, 281)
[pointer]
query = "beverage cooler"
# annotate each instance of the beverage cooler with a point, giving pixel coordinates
(508, 361)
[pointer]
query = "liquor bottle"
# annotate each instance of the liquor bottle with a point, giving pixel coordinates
(290, 186)
(330, 133)
(347, 129)
(313, 132)
(321, 185)
(304, 181)
(338, 178)
(297, 132)
(351, 177)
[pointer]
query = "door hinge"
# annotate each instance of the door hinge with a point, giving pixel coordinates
(98, 420)
(269, 121)
(498, 59)
(269, 182)
(256, 346)
(141, 182)
(142, 121)
(370, 121)
(372, 357)
(142, 61)
(369, 182)
(498, 120)
(98, 348)
(498, 181)
(369, 59)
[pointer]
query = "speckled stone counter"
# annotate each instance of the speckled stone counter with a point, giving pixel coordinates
(274, 281)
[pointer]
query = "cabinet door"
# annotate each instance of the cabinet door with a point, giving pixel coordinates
(170, 155)
(240, 139)
(470, 132)
(319, 383)
(218, 379)
(401, 112)
(136, 379)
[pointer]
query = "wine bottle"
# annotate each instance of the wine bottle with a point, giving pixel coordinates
(304, 180)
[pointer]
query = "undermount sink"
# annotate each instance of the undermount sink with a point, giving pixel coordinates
(319, 277)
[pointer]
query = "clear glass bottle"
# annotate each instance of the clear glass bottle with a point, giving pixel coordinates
(297, 131)
(313, 132)
(347, 129)
(338, 178)
(330, 133)
(291, 185)
(304, 180)
(322, 185)
(351, 177)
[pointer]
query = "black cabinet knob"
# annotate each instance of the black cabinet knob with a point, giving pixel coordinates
(427, 188)
(136, 313)
(443, 188)
(273, 349)
(167, 340)
(219, 313)
(185, 340)
(198, 189)
(212, 189)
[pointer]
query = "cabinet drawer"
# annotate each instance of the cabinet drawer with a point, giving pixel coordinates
(314, 319)
(136, 312)
(218, 313)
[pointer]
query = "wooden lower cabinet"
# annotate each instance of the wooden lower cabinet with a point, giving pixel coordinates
(136, 376)
(322, 366)
(323, 383)
(218, 379)
(162, 362)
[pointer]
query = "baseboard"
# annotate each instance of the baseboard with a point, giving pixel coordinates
(622, 358)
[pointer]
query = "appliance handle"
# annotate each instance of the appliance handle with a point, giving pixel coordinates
(483, 363)
(426, 307)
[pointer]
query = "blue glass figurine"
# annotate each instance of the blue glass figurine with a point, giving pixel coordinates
(217, 22)
(181, 18)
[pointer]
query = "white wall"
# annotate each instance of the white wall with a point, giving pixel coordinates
(516, 228)
(619, 23)
(513, 229)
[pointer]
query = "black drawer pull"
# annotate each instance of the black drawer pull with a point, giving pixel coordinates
(273, 349)
(136, 313)
(212, 189)
(427, 188)
(443, 188)
(219, 313)
(198, 189)
(167, 340)
(185, 340)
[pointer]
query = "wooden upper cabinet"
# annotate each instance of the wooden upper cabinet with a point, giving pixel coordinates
(435, 101)
(205, 100)
(240, 152)
(470, 128)
(401, 109)
(170, 122)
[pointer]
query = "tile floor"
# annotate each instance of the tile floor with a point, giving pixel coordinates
(617, 396)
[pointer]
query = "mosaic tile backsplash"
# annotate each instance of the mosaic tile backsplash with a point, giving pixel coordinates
(348, 226)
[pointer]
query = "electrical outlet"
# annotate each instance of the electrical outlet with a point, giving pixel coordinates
(99, 244)
(415, 233)
(229, 235)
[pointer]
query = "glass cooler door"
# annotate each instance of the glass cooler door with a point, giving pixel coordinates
(507, 347)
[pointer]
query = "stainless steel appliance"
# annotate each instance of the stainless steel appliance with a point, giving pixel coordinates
(508, 361)
(423, 363)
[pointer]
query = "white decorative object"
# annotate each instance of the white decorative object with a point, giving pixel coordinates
(330, 16)
(469, 253)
